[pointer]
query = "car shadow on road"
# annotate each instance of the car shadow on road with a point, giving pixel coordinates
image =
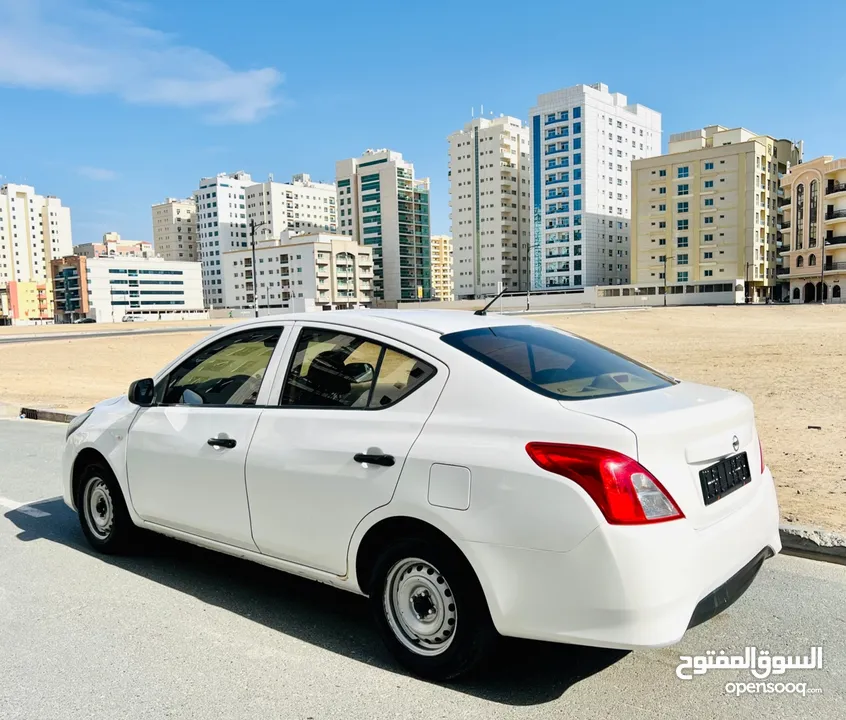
(521, 673)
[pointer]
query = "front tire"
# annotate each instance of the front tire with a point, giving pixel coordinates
(430, 609)
(102, 510)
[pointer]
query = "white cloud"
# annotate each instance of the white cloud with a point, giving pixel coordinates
(95, 173)
(77, 48)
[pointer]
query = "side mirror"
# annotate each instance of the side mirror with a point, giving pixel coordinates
(142, 392)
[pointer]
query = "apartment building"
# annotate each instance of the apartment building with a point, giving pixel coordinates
(583, 142)
(709, 209)
(113, 245)
(174, 229)
(333, 271)
(221, 226)
(107, 288)
(298, 206)
(382, 205)
(26, 303)
(490, 201)
(813, 231)
(442, 267)
(34, 229)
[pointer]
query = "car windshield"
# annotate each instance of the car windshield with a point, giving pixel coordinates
(556, 364)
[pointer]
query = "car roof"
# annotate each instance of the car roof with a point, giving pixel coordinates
(436, 321)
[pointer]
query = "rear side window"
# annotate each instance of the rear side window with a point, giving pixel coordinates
(332, 369)
(555, 364)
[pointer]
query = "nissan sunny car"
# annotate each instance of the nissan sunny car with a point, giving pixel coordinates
(473, 476)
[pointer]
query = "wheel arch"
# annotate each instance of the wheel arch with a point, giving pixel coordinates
(86, 457)
(387, 530)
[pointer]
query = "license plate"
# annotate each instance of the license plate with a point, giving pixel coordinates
(724, 477)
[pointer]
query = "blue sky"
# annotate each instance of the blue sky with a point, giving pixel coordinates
(114, 104)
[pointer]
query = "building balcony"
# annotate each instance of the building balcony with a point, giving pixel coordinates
(836, 216)
(784, 225)
(782, 271)
(836, 240)
(835, 188)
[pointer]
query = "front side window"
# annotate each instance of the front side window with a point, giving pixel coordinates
(226, 372)
(333, 369)
(552, 363)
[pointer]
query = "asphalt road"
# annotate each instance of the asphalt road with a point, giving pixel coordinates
(179, 632)
(48, 337)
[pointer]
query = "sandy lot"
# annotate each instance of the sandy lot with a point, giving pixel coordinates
(789, 360)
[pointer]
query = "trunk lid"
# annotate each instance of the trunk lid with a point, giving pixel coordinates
(681, 430)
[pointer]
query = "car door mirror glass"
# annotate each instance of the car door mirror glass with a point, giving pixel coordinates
(142, 392)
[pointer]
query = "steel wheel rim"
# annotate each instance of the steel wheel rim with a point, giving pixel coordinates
(420, 607)
(99, 508)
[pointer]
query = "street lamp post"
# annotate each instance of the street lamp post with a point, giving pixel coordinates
(665, 279)
(253, 227)
(748, 292)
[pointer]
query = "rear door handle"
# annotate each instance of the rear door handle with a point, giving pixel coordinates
(385, 460)
(222, 442)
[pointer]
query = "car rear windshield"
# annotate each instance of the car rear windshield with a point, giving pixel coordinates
(555, 364)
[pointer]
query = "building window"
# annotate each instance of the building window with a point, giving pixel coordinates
(682, 224)
(683, 189)
(709, 220)
(682, 241)
(709, 255)
(681, 276)
(709, 273)
(709, 202)
(708, 237)
(812, 212)
(709, 184)
(684, 172)
(800, 217)
(662, 207)
(709, 166)
(662, 173)
(681, 207)
(662, 191)
(681, 259)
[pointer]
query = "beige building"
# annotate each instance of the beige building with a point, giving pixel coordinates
(333, 271)
(34, 229)
(301, 205)
(115, 246)
(709, 209)
(490, 206)
(175, 229)
(442, 267)
(813, 230)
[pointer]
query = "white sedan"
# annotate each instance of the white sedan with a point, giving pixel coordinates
(474, 476)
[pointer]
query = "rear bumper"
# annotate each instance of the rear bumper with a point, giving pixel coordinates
(629, 587)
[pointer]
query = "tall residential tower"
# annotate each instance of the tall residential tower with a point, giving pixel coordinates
(34, 230)
(381, 204)
(221, 226)
(174, 229)
(583, 141)
(490, 197)
(298, 206)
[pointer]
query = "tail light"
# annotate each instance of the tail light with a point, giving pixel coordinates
(761, 450)
(625, 491)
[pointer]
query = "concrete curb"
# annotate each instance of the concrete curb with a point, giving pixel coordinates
(813, 543)
(48, 415)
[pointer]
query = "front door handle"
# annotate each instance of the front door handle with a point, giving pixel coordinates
(222, 442)
(385, 460)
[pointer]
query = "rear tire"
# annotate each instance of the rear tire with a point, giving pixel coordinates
(102, 510)
(430, 609)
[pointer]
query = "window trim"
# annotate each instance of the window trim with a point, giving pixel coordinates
(278, 389)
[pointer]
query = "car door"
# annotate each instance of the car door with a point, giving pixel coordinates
(332, 449)
(186, 454)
